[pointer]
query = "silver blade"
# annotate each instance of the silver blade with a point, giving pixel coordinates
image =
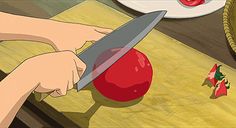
(124, 38)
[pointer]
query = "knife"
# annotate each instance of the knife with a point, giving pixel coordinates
(124, 38)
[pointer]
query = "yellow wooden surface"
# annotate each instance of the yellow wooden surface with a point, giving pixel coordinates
(176, 96)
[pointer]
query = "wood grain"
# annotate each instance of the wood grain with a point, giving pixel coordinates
(205, 34)
(176, 96)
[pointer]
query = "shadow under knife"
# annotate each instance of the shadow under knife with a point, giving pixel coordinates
(83, 119)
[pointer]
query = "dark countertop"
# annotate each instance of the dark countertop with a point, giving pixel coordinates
(205, 34)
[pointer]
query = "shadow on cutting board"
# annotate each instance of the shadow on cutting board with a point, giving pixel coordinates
(207, 82)
(84, 118)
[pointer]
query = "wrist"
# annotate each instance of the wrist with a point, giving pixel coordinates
(14, 27)
(14, 90)
(20, 82)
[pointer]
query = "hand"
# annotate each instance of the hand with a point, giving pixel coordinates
(55, 72)
(68, 36)
(61, 35)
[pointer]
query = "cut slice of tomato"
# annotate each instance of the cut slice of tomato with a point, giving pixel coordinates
(211, 75)
(221, 89)
(192, 2)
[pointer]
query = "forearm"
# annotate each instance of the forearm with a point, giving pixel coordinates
(14, 90)
(61, 35)
(14, 27)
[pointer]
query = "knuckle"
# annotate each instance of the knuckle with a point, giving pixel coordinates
(63, 93)
(68, 53)
(54, 94)
(81, 64)
(76, 79)
(70, 87)
(84, 66)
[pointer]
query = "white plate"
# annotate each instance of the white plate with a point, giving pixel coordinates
(174, 8)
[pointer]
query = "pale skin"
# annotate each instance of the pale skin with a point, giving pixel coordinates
(46, 72)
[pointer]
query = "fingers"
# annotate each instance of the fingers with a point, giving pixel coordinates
(77, 72)
(55, 93)
(103, 30)
(62, 90)
(99, 33)
(59, 92)
(80, 66)
(70, 85)
(75, 76)
(67, 71)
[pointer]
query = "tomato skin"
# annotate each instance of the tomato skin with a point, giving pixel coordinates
(192, 2)
(128, 79)
(221, 89)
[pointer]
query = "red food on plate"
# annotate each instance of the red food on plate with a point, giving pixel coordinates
(127, 79)
(192, 2)
(221, 89)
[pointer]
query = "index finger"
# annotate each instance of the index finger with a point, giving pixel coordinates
(103, 30)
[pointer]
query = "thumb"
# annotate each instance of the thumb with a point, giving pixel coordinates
(99, 33)
(80, 66)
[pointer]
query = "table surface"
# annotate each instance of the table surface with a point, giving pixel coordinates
(204, 34)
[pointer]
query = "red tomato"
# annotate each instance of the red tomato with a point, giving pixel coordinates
(127, 79)
(192, 2)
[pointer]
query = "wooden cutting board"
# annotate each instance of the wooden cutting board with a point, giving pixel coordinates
(176, 96)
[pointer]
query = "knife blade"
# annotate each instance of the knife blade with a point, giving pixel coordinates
(124, 38)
